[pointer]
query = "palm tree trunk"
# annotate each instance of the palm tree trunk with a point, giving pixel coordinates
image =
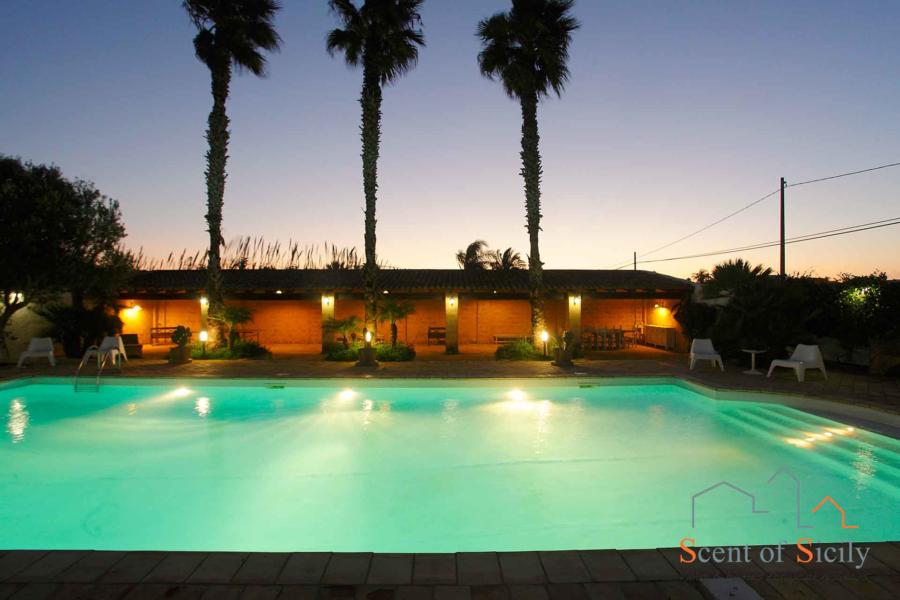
(371, 140)
(531, 173)
(216, 156)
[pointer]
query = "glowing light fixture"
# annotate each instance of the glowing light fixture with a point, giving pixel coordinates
(279, 292)
(545, 336)
(385, 292)
(327, 300)
(204, 301)
(368, 337)
(204, 336)
(575, 300)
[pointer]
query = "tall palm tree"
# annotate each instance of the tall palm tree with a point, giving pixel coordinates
(231, 34)
(382, 36)
(508, 260)
(474, 257)
(527, 49)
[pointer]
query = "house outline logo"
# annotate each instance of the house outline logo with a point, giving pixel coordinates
(754, 510)
(752, 497)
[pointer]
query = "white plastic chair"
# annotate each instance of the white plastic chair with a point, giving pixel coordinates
(703, 349)
(39, 348)
(804, 357)
(112, 349)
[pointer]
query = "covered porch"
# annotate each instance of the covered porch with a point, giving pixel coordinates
(464, 312)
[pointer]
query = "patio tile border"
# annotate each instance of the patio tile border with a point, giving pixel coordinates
(558, 574)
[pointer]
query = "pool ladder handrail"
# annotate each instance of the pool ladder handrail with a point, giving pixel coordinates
(101, 362)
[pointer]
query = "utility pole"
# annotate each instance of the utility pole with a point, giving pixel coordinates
(635, 260)
(783, 272)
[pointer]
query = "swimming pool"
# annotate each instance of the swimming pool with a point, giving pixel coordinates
(428, 466)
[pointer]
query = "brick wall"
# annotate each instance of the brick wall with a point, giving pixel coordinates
(285, 321)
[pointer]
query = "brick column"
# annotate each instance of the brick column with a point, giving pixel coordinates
(327, 313)
(574, 302)
(451, 312)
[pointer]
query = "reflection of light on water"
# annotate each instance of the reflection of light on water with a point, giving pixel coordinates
(132, 409)
(181, 392)
(798, 442)
(516, 395)
(367, 406)
(346, 395)
(202, 407)
(17, 420)
(864, 467)
(449, 409)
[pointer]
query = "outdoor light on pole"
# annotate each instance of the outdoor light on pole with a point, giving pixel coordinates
(204, 337)
(544, 337)
(368, 337)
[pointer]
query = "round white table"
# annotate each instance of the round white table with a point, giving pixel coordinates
(752, 354)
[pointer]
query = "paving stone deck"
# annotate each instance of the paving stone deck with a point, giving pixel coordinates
(68, 575)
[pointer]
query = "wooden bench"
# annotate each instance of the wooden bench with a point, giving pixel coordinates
(438, 335)
(161, 336)
(509, 338)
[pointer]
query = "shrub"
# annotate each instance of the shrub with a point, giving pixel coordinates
(383, 352)
(181, 337)
(241, 349)
(520, 350)
(340, 352)
(398, 353)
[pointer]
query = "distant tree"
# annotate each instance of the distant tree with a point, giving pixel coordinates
(701, 276)
(730, 275)
(475, 257)
(67, 239)
(527, 49)
(382, 36)
(392, 311)
(230, 34)
(508, 260)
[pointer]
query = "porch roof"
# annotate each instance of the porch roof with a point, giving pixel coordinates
(308, 281)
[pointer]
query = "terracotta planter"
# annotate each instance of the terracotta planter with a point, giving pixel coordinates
(180, 355)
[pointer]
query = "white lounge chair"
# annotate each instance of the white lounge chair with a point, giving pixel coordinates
(703, 349)
(804, 357)
(39, 348)
(111, 350)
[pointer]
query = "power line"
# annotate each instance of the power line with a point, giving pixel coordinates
(751, 205)
(803, 238)
(844, 175)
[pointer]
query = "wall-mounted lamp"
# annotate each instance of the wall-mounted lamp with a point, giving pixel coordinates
(278, 292)
(451, 300)
(575, 300)
(327, 300)
(544, 337)
(385, 292)
(204, 301)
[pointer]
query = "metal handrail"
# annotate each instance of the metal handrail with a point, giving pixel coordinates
(101, 363)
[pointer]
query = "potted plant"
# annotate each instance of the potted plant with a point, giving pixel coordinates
(565, 350)
(181, 353)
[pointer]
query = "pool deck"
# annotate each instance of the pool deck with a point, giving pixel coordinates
(68, 575)
(844, 386)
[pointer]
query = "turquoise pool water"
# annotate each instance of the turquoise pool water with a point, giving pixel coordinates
(427, 467)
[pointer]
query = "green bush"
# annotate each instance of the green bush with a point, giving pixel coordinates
(242, 349)
(520, 350)
(383, 352)
(398, 353)
(339, 352)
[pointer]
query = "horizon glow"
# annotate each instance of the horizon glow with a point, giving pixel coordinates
(674, 117)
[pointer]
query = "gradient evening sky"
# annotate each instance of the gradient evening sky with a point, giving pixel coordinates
(677, 113)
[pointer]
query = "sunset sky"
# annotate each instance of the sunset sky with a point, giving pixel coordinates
(677, 114)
